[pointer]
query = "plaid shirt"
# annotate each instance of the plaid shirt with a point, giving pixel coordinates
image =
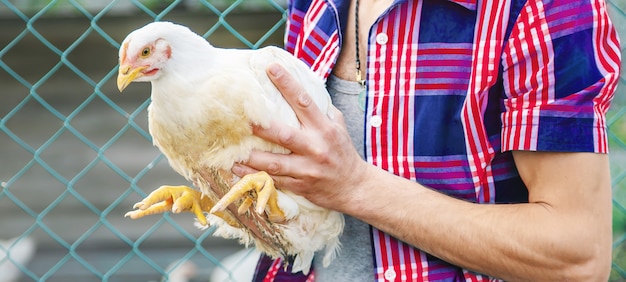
(454, 86)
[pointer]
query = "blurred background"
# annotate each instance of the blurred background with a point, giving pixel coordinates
(75, 154)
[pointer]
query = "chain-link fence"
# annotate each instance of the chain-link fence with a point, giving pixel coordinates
(75, 154)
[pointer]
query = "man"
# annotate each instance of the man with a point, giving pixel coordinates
(482, 129)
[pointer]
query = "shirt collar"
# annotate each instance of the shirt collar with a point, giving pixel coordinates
(342, 6)
(469, 4)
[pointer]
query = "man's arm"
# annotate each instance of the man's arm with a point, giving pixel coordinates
(564, 233)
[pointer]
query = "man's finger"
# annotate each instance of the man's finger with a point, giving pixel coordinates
(308, 113)
(259, 162)
(241, 170)
(274, 164)
(278, 133)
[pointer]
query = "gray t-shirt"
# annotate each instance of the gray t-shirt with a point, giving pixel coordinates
(354, 262)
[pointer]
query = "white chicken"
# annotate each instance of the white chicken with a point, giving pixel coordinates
(204, 101)
(15, 253)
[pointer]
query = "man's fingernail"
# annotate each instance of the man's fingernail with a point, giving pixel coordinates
(237, 170)
(275, 70)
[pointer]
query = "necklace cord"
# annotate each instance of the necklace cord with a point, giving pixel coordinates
(359, 78)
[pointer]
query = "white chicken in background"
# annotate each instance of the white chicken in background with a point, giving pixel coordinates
(238, 267)
(204, 101)
(180, 271)
(14, 252)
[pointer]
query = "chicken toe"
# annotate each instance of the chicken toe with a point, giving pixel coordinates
(266, 196)
(177, 199)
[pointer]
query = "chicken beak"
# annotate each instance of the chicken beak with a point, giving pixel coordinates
(126, 75)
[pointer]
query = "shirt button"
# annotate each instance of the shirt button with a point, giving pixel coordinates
(390, 274)
(382, 38)
(376, 121)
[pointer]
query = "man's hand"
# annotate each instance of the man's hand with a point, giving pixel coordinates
(323, 159)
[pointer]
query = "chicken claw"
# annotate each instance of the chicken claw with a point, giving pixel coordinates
(177, 199)
(267, 196)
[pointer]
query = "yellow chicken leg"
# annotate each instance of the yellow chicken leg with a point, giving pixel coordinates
(267, 196)
(177, 199)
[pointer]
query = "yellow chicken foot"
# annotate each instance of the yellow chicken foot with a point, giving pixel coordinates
(267, 196)
(177, 199)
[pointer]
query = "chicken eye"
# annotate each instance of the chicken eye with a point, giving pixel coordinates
(145, 52)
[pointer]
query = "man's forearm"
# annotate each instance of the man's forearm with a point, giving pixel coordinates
(532, 241)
